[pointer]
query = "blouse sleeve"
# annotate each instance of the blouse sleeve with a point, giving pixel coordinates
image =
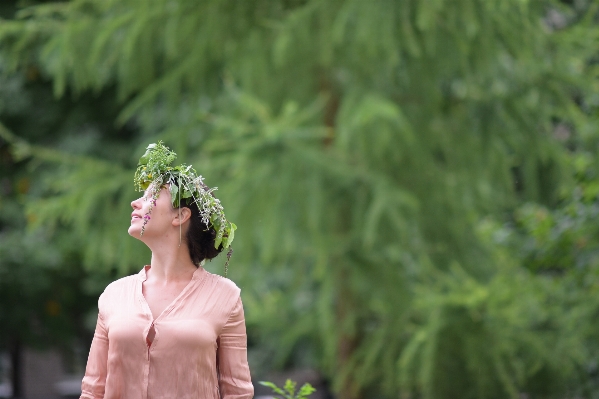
(92, 386)
(234, 373)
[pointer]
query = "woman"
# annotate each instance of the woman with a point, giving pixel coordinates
(173, 330)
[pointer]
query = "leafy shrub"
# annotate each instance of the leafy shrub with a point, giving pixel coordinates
(288, 390)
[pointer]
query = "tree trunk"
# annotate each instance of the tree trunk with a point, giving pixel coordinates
(16, 356)
(347, 344)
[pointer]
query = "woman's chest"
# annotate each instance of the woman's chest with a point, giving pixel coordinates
(160, 298)
(184, 327)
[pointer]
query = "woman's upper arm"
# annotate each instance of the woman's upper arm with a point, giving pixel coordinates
(92, 386)
(234, 373)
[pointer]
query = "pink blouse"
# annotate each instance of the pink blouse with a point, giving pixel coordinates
(199, 349)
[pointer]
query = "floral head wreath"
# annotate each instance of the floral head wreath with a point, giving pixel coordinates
(154, 170)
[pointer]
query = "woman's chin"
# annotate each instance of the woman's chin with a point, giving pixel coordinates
(134, 231)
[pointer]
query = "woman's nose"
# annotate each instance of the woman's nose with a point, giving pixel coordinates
(135, 204)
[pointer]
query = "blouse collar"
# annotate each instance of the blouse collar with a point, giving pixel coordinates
(143, 273)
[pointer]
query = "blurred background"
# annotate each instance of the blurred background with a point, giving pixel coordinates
(415, 184)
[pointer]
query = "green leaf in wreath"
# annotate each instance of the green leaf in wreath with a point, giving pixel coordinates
(231, 235)
(174, 198)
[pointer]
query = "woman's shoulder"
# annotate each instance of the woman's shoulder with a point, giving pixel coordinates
(220, 295)
(120, 286)
(221, 283)
(221, 291)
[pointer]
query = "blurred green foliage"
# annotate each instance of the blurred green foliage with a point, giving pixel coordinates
(288, 390)
(414, 181)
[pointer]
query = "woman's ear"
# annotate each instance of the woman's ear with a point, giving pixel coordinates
(182, 215)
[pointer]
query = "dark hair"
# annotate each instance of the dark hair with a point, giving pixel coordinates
(200, 238)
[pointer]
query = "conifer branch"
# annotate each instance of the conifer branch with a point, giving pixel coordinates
(21, 149)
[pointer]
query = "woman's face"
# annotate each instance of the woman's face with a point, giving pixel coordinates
(159, 221)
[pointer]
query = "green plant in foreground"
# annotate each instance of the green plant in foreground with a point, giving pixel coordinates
(288, 390)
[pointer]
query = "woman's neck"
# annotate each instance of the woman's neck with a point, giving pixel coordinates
(171, 264)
